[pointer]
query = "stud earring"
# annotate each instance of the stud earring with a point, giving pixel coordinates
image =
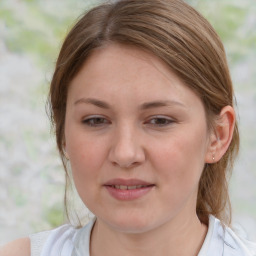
(213, 158)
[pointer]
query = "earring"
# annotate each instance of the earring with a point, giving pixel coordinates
(213, 158)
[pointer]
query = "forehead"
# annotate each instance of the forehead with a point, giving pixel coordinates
(118, 73)
(129, 59)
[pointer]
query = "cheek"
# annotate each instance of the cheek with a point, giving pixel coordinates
(86, 161)
(180, 160)
(86, 158)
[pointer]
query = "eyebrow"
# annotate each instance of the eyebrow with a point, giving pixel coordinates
(157, 104)
(144, 106)
(98, 103)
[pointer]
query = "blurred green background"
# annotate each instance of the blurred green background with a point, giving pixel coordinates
(31, 176)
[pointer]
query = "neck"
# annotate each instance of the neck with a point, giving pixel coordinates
(181, 236)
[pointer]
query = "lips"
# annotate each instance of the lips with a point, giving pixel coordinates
(129, 182)
(131, 189)
(123, 187)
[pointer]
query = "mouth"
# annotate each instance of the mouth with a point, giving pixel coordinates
(128, 189)
(123, 187)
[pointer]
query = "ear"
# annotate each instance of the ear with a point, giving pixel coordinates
(221, 135)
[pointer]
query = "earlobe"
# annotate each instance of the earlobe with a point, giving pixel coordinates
(221, 136)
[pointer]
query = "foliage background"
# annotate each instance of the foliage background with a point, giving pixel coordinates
(31, 176)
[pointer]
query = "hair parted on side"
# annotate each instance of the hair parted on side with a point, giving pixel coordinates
(176, 33)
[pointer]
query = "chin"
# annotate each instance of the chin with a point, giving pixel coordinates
(130, 224)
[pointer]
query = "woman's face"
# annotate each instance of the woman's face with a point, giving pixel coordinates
(136, 138)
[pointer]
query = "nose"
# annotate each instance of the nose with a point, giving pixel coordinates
(126, 150)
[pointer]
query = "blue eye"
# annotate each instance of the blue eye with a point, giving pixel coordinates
(95, 121)
(161, 121)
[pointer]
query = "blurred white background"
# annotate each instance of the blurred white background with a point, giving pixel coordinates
(31, 175)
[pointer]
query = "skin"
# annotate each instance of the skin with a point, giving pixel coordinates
(19, 247)
(165, 145)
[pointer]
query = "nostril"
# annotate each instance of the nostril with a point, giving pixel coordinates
(126, 166)
(126, 153)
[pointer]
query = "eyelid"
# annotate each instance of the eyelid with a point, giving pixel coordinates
(161, 117)
(87, 119)
(167, 118)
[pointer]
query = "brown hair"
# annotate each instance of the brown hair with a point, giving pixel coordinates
(187, 43)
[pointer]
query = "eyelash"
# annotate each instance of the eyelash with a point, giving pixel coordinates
(94, 121)
(167, 121)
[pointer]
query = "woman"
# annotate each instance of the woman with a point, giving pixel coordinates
(142, 104)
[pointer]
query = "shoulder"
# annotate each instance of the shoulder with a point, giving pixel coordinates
(52, 242)
(235, 244)
(224, 241)
(42, 242)
(248, 247)
(47, 243)
(19, 247)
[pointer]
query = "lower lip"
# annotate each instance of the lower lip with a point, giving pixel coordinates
(128, 194)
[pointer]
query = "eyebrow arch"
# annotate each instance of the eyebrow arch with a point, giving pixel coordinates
(98, 103)
(157, 104)
(144, 106)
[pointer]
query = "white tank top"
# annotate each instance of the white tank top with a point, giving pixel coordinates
(68, 241)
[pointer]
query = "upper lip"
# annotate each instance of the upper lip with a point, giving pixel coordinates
(127, 182)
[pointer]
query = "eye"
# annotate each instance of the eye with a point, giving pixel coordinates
(160, 121)
(95, 121)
